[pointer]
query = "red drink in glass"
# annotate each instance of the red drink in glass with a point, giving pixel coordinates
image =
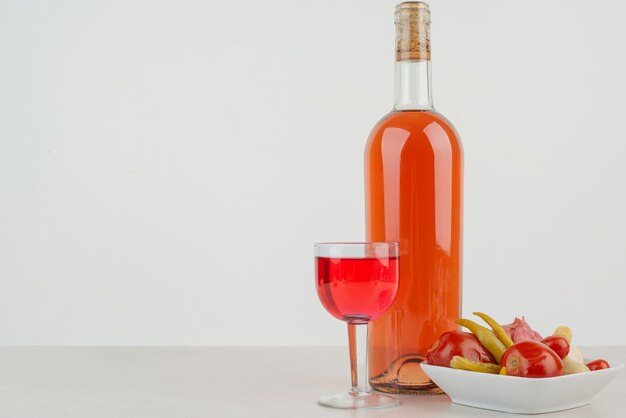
(356, 290)
(357, 282)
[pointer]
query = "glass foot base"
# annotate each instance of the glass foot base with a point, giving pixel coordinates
(361, 400)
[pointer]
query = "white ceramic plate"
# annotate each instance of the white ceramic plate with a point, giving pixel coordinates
(518, 394)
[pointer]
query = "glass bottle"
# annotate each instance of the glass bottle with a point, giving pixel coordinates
(413, 189)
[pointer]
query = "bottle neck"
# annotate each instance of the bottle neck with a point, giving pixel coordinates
(412, 21)
(413, 85)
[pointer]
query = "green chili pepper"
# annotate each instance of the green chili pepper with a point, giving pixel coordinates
(485, 336)
(500, 332)
(463, 363)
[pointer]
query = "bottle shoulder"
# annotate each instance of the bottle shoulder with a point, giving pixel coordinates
(412, 119)
(415, 124)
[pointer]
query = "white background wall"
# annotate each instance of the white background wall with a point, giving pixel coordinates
(165, 166)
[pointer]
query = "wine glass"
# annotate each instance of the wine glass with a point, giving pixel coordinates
(357, 282)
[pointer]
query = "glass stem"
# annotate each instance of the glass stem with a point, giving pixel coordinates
(357, 343)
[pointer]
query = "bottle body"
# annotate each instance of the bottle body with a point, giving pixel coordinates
(413, 189)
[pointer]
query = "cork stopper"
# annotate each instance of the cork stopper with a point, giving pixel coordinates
(412, 19)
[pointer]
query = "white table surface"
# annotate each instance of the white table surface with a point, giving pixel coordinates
(98, 382)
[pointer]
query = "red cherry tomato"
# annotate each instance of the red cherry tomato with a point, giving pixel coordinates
(558, 344)
(531, 359)
(457, 343)
(598, 364)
